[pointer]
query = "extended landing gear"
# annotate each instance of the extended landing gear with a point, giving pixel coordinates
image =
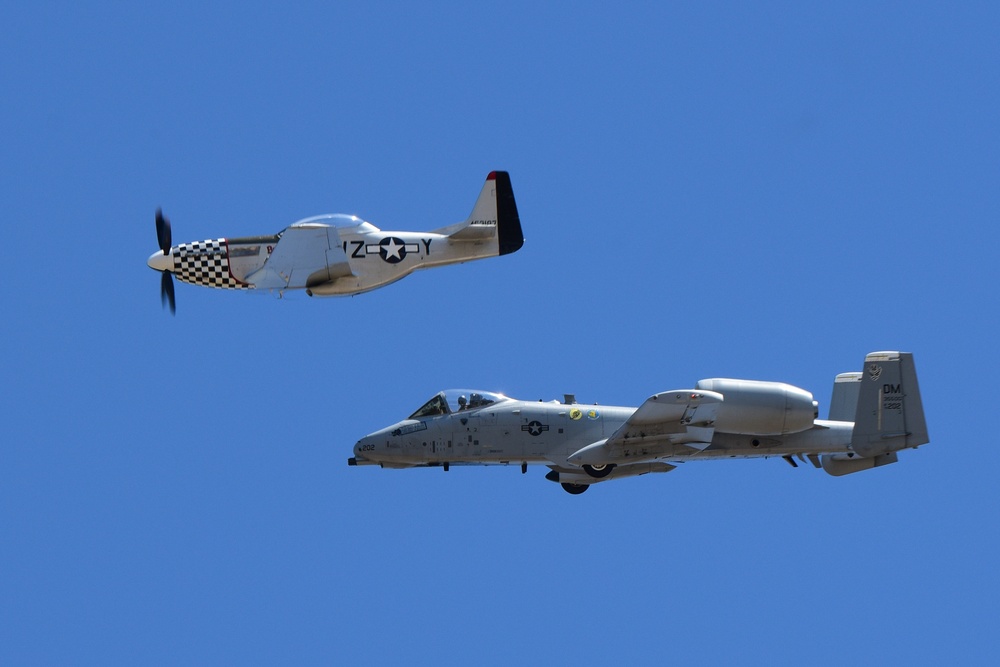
(575, 489)
(598, 472)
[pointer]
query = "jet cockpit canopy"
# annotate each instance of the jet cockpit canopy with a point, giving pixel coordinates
(457, 400)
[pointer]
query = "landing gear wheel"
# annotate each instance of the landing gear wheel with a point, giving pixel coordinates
(575, 489)
(598, 472)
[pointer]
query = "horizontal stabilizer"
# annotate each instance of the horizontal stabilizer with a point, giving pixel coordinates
(845, 464)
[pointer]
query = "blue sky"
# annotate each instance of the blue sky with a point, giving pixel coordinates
(764, 191)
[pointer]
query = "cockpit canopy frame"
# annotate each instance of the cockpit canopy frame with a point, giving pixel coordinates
(457, 400)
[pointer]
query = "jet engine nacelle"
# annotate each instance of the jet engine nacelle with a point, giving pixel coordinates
(753, 407)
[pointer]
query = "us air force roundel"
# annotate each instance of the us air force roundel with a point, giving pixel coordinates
(392, 249)
(535, 427)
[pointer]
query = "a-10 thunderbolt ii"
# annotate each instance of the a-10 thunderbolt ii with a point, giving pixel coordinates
(338, 255)
(873, 414)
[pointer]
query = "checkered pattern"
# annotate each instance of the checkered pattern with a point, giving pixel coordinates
(205, 263)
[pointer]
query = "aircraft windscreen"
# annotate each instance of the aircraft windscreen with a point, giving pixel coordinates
(432, 408)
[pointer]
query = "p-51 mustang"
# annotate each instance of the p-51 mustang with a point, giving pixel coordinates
(873, 414)
(337, 255)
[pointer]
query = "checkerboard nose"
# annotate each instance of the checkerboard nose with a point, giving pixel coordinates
(160, 262)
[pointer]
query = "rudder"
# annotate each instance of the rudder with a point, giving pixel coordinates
(508, 221)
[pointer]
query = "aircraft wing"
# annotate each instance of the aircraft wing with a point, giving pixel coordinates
(670, 424)
(306, 255)
(683, 416)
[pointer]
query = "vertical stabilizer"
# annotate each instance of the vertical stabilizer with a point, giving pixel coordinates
(493, 217)
(844, 400)
(890, 414)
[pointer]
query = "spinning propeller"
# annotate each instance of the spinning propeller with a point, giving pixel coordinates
(163, 236)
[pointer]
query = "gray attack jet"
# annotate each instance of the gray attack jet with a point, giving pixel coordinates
(338, 255)
(873, 414)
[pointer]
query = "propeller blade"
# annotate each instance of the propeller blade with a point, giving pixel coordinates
(163, 234)
(167, 291)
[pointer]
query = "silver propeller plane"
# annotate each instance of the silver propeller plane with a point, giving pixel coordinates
(874, 413)
(338, 255)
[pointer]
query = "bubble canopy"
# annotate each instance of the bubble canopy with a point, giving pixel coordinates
(338, 220)
(457, 400)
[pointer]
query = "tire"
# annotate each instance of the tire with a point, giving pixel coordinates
(575, 489)
(598, 472)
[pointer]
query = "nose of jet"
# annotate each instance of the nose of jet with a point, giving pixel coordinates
(363, 445)
(368, 448)
(359, 458)
(160, 262)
